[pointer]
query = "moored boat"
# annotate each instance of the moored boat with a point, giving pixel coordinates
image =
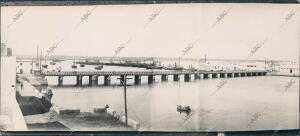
(58, 69)
(174, 68)
(99, 67)
(45, 66)
(74, 66)
(52, 63)
(183, 108)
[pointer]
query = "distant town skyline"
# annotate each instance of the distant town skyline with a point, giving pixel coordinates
(25, 57)
(221, 31)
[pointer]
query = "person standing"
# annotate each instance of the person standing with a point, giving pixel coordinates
(22, 85)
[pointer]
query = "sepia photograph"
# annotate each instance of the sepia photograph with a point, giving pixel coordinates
(214, 69)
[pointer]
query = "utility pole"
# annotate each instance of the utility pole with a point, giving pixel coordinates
(123, 80)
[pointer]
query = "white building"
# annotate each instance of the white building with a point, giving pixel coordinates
(290, 67)
(11, 117)
(219, 65)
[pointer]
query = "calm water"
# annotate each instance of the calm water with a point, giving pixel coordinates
(244, 103)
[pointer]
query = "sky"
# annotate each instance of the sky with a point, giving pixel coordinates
(263, 30)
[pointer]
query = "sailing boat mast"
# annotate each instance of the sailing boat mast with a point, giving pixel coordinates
(45, 59)
(199, 61)
(179, 62)
(179, 100)
(41, 61)
(265, 64)
(37, 54)
(74, 66)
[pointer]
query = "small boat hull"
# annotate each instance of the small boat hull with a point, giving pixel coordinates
(45, 66)
(99, 67)
(52, 63)
(181, 108)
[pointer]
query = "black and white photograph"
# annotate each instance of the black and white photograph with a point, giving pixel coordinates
(216, 69)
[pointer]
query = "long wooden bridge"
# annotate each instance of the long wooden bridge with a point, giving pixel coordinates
(93, 75)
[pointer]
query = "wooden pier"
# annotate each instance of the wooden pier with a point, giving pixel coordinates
(93, 75)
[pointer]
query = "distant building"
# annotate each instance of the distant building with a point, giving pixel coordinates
(216, 65)
(284, 67)
(9, 52)
(5, 51)
(252, 66)
(289, 67)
